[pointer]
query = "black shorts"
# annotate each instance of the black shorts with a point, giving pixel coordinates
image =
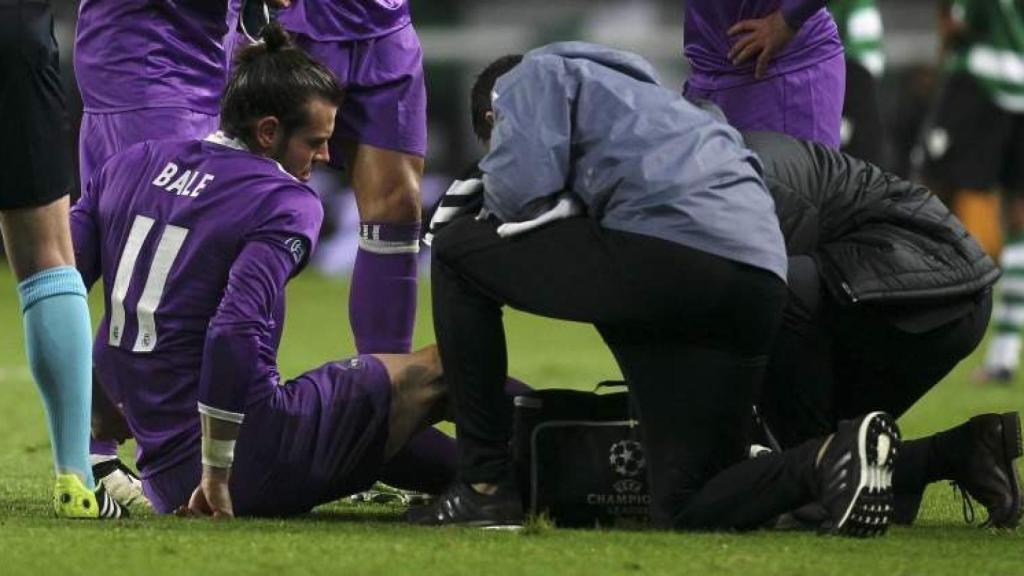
(35, 156)
(973, 143)
(862, 134)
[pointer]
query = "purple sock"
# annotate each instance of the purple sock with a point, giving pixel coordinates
(105, 448)
(427, 463)
(382, 299)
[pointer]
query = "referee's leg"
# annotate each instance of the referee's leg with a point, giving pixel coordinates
(35, 179)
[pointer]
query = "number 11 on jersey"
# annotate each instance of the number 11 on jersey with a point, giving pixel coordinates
(167, 249)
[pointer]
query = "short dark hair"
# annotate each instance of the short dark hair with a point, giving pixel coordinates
(480, 97)
(274, 78)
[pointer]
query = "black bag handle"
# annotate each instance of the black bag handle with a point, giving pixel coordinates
(610, 384)
(632, 414)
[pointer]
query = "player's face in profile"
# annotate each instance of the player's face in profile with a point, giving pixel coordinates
(309, 143)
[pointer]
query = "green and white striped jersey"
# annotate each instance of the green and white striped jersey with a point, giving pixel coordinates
(993, 47)
(860, 26)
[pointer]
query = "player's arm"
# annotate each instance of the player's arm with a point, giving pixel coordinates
(230, 357)
(528, 162)
(85, 236)
(763, 38)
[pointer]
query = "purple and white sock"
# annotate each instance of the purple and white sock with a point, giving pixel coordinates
(101, 451)
(382, 299)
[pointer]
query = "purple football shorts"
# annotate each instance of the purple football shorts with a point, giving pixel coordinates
(104, 134)
(805, 104)
(318, 438)
(385, 95)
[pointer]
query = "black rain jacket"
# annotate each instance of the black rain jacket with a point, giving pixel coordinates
(875, 237)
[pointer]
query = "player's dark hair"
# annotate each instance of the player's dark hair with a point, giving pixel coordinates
(480, 97)
(274, 78)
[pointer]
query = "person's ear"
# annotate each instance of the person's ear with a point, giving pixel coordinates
(489, 116)
(266, 132)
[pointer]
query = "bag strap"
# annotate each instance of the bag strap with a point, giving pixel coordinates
(610, 384)
(632, 413)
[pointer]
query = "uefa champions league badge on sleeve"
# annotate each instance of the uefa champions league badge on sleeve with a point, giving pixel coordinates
(296, 248)
(351, 364)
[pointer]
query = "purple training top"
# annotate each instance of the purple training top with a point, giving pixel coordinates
(706, 41)
(345, 20)
(132, 54)
(195, 241)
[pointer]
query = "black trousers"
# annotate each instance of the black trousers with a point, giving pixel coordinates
(689, 330)
(831, 362)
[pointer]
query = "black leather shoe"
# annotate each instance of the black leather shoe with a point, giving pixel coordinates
(461, 505)
(987, 472)
(855, 476)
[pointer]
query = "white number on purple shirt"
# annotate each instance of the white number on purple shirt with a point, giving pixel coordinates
(166, 252)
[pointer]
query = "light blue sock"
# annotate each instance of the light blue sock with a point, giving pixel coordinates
(58, 339)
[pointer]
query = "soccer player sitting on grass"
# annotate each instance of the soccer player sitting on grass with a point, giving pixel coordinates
(145, 71)
(195, 241)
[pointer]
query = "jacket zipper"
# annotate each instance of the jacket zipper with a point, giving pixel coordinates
(849, 292)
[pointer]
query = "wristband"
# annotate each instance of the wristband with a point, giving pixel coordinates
(218, 453)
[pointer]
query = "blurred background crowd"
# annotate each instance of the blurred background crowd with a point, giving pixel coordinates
(459, 37)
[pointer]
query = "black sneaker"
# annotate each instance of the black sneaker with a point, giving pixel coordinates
(461, 505)
(987, 473)
(855, 476)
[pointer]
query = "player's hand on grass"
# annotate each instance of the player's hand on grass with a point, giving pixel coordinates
(765, 37)
(212, 498)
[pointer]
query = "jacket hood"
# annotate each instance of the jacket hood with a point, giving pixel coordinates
(627, 63)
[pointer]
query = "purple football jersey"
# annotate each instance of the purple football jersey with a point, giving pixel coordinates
(333, 21)
(706, 41)
(132, 54)
(195, 241)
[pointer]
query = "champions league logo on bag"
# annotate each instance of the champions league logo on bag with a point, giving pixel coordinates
(630, 498)
(627, 459)
(581, 456)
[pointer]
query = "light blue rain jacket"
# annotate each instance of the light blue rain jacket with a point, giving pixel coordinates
(595, 121)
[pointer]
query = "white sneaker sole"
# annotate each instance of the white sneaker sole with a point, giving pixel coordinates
(871, 509)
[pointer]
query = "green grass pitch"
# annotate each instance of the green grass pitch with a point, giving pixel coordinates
(368, 539)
